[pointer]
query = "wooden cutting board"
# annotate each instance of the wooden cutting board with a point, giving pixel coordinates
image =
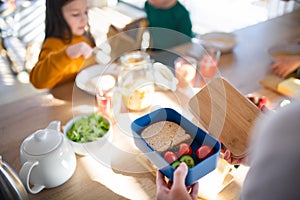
(271, 82)
(226, 114)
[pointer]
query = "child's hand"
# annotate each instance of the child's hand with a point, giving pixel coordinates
(286, 65)
(79, 49)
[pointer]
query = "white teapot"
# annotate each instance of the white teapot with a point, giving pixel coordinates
(47, 158)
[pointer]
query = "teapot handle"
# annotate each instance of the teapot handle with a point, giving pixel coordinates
(25, 175)
(54, 125)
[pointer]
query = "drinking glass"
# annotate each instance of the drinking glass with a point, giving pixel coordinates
(209, 63)
(185, 71)
(105, 86)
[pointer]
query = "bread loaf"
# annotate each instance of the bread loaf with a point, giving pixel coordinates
(164, 134)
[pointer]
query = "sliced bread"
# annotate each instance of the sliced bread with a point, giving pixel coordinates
(163, 135)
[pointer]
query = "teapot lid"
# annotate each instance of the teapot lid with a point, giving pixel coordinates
(42, 142)
(11, 186)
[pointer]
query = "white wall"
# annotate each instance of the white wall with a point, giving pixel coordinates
(229, 15)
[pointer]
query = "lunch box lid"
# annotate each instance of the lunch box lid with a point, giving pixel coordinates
(11, 187)
(226, 114)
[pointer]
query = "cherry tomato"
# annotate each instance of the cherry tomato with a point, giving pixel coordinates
(170, 157)
(260, 105)
(263, 99)
(262, 102)
(204, 152)
(184, 149)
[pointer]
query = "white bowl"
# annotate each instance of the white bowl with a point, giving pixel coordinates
(223, 41)
(86, 148)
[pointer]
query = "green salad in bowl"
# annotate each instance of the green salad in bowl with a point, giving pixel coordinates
(84, 130)
(88, 128)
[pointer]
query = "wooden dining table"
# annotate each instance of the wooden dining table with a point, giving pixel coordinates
(250, 61)
(115, 172)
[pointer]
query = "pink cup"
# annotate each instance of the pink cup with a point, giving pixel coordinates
(209, 63)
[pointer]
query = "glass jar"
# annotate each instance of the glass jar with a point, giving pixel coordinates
(136, 80)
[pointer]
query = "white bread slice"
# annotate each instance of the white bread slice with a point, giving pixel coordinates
(289, 87)
(163, 135)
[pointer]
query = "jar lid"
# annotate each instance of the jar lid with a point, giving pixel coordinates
(11, 187)
(135, 59)
(42, 142)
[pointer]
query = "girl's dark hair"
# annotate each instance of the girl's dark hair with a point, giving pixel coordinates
(56, 25)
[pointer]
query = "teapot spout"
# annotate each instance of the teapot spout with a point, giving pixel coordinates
(54, 125)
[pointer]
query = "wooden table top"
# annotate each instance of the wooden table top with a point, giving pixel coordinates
(94, 180)
(249, 61)
(123, 177)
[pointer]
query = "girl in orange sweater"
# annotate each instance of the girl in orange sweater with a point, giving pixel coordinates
(66, 46)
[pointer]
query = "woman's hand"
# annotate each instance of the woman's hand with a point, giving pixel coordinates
(286, 65)
(177, 189)
(79, 49)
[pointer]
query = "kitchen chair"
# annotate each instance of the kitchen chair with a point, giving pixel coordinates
(126, 39)
(20, 30)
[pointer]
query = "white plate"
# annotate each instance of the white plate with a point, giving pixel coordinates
(278, 51)
(225, 42)
(88, 79)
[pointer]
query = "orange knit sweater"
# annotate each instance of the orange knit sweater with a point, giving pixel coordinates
(54, 65)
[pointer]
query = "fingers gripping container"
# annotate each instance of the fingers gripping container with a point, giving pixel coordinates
(199, 138)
